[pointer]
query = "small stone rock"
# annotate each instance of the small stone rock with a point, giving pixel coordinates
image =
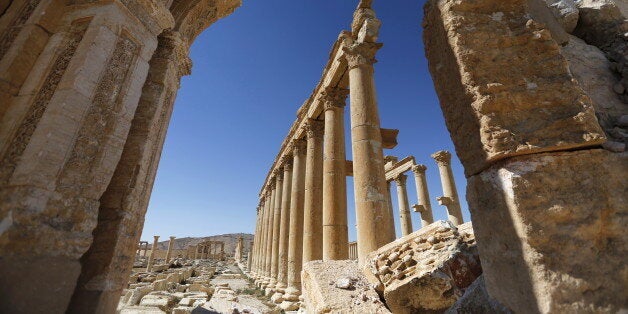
(344, 283)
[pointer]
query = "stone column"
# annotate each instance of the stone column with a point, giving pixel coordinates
(151, 258)
(295, 246)
(169, 252)
(195, 252)
(284, 228)
(423, 206)
(375, 223)
(264, 241)
(404, 206)
(450, 195)
(269, 235)
(276, 224)
(260, 256)
(313, 199)
(256, 243)
(335, 230)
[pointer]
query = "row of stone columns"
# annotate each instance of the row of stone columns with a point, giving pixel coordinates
(302, 214)
(142, 248)
(207, 250)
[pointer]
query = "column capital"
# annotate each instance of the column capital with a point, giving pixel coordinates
(156, 238)
(359, 54)
(333, 97)
(172, 237)
(278, 175)
(173, 47)
(419, 169)
(400, 179)
(314, 128)
(299, 146)
(443, 158)
(286, 161)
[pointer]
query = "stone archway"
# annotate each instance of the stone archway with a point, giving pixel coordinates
(88, 90)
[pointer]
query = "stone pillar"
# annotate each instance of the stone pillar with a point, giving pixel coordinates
(284, 228)
(262, 227)
(195, 252)
(423, 206)
(548, 206)
(376, 226)
(254, 252)
(295, 246)
(276, 226)
(450, 195)
(269, 236)
(169, 252)
(335, 230)
(263, 239)
(404, 206)
(151, 258)
(313, 199)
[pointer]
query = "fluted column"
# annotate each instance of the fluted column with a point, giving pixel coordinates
(313, 199)
(375, 222)
(423, 205)
(284, 225)
(335, 230)
(450, 195)
(276, 224)
(169, 252)
(153, 250)
(404, 207)
(295, 246)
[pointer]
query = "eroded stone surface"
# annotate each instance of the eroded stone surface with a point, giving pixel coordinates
(539, 219)
(322, 294)
(476, 300)
(427, 270)
(494, 69)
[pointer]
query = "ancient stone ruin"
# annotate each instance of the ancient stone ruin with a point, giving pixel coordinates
(534, 95)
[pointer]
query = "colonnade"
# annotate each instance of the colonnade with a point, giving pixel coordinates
(142, 248)
(207, 250)
(302, 213)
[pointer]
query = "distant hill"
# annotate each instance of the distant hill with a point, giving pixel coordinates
(231, 240)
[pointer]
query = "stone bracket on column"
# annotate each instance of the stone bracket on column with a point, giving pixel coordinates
(444, 200)
(389, 138)
(418, 208)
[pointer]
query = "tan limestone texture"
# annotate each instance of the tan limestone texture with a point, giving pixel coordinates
(551, 231)
(427, 270)
(487, 89)
(338, 286)
(476, 300)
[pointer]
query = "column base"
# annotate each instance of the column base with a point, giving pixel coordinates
(292, 294)
(289, 305)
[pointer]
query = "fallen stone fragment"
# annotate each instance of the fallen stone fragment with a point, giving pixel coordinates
(477, 300)
(429, 269)
(321, 297)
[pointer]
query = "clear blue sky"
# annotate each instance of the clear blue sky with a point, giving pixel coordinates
(252, 70)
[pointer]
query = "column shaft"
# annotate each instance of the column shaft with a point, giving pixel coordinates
(404, 206)
(450, 195)
(151, 258)
(424, 205)
(313, 199)
(284, 226)
(295, 246)
(276, 221)
(269, 234)
(335, 230)
(169, 252)
(375, 223)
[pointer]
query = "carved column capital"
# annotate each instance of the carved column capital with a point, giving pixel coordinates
(173, 47)
(314, 128)
(156, 238)
(443, 158)
(278, 173)
(360, 54)
(333, 98)
(419, 169)
(286, 161)
(401, 179)
(299, 147)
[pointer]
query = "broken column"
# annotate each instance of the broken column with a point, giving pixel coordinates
(169, 252)
(450, 194)
(527, 136)
(153, 251)
(404, 207)
(423, 206)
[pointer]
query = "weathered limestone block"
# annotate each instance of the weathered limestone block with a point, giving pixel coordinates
(141, 310)
(592, 70)
(427, 270)
(601, 21)
(338, 287)
(550, 230)
(566, 12)
(161, 300)
(476, 300)
(493, 68)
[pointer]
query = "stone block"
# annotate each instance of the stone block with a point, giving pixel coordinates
(197, 287)
(566, 12)
(323, 293)
(476, 300)
(163, 301)
(427, 270)
(141, 310)
(550, 230)
(504, 87)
